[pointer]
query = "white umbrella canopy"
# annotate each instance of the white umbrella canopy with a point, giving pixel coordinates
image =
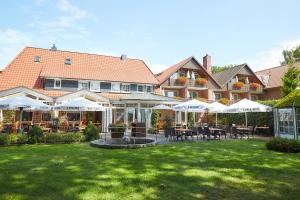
(245, 106)
(217, 107)
(22, 102)
(161, 107)
(79, 104)
(192, 106)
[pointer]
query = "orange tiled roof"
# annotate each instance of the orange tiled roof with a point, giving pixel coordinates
(23, 71)
(275, 74)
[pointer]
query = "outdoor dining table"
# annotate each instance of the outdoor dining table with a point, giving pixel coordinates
(263, 130)
(179, 132)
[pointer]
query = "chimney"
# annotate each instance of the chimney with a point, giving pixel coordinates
(123, 57)
(207, 63)
(53, 48)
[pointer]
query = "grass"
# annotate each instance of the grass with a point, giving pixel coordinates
(204, 170)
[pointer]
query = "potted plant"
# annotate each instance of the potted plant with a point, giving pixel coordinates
(254, 86)
(224, 101)
(117, 130)
(238, 85)
(201, 81)
(181, 80)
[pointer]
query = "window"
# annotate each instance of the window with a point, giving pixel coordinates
(218, 96)
(83, 85)
(170, 94)
(105, 86)
(57, 83)
(27, 116)
(68, 61)
(115, 87)
(37, 58)
(73, 116)
(254, 97)
(46, 116)
(235, 97)
(193, 95)
(95, 86)
(140, 88)
(286, 122)
(125, 88)
(149, 88)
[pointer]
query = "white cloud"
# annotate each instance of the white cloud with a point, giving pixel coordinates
(11, 41)
(74, 11)
(157, 68)
(271, 57)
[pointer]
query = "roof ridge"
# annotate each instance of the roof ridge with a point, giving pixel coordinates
(239, 65)
(95, 54)
(275, 67)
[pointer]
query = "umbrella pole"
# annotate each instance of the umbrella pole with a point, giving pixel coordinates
(21, 115)
(216, 119)
(246, 119)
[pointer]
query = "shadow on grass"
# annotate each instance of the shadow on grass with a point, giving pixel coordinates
(206, 170)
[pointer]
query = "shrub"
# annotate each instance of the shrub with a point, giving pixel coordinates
(238, 85)
(167, 122)
(35, 135)
(52, 138)
(201, 81)
(13, 138)
(91, 132)
(283, 145)
(72, 137)
(152, 130)
(190, 120)
(181, 80)
(154, 118)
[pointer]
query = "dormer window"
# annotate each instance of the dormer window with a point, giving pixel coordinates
(68, 61)
(57, 83)
(37, 58)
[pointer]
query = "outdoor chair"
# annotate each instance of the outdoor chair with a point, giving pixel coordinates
(251, 131)
(234, 133)
(195, 132)
(206, 133)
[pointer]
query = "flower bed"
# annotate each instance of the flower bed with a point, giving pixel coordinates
(238, 85)
(181, 80)
(201, 81)
(254, 86)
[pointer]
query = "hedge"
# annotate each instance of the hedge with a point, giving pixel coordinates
(283, 145)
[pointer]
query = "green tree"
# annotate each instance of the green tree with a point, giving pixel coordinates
(291, 56)
(290, 80)
(216, 69)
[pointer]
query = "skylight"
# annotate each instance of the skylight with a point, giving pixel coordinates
(37, 58)
(68, 61)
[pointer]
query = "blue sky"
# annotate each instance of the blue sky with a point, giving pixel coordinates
(159, 32)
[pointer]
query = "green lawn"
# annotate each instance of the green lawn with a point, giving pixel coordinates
(204, 170)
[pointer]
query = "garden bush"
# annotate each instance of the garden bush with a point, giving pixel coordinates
(91, 132)
(152, 130)
(52, 138)
(283, 145)
(13, 138)
(72, 137)
(35, 135)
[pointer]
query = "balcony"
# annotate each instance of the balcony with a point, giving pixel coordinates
(189, 83)
(252, 88)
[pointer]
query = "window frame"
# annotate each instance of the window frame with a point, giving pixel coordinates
(81, 88)
(151, 88)
(127, 85)
(55, 80)
(143, 90)
(112, 86)
(95, 82)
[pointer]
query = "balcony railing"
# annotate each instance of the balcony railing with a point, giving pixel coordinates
(188, 83)
(246, 88)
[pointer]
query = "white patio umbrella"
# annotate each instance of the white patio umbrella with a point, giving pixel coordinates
(161, 107)
(216, 108)
(245, 106)
(22, 103)
(79, 104)
(191, 106)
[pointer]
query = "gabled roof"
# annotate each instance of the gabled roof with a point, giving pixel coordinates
(275, 74)
(165, 75)
(23, 71)
(225, 76)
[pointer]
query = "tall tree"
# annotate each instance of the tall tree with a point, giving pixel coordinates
(291, 56)
(290, 80)
(216, 69)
